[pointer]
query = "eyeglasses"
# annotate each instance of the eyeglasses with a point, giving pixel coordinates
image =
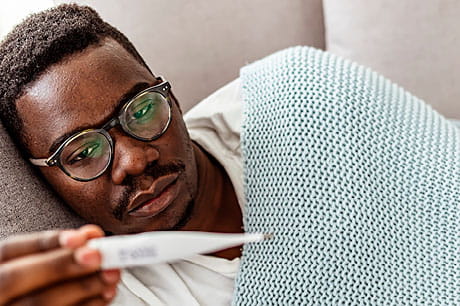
(86, 155)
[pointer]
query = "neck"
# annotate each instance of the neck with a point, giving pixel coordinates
(216, 205)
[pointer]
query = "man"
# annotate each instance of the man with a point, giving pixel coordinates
(73, 88)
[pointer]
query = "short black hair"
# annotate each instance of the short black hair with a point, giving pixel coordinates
(41, 40)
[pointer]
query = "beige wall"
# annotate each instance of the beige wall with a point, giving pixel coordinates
(12, 12)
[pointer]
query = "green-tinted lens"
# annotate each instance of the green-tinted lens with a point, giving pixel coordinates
(143, 112)
(147, 116)
(87, 155)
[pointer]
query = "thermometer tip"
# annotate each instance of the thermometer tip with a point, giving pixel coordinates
(268, 236)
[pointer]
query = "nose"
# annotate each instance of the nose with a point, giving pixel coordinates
(131, 156)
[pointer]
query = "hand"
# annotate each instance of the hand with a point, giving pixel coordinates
(55, 268)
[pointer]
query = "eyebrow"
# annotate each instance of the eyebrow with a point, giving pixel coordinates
(131, 93)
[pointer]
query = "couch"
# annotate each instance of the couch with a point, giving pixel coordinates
(201, 45)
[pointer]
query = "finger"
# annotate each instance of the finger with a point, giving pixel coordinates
(77, 238)
(29, 273)
(68, 293)
(71, 239)
(92, 231)
(26, 244)
(111, 276)
(88, 256)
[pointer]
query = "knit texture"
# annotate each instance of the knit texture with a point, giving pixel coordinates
(358, 180)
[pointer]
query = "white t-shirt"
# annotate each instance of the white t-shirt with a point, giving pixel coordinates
(215, 124)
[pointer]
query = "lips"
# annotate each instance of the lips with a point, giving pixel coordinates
(154, 200)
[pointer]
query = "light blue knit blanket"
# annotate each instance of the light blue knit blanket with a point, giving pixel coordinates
(358, 180)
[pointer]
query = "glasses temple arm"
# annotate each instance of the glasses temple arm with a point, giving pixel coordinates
(39, 162)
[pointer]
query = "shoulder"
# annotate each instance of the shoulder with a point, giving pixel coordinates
(223, 105)
(218, 116)
(215, 124)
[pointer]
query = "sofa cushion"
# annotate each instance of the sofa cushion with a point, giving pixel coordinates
(414, 45)
(26, 203)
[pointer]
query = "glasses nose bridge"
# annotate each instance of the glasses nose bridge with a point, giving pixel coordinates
(111, 124)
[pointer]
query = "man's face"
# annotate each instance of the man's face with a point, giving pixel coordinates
(83, 91)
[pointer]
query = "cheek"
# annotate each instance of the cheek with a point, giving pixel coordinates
(86, 198)
(179, 146)
(177, 134)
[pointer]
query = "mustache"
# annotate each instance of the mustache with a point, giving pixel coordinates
(153, 170)
(156, 171)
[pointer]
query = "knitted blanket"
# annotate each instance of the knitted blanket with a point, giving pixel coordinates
(358, 180)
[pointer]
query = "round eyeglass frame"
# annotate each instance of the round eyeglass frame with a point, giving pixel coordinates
(162, 88)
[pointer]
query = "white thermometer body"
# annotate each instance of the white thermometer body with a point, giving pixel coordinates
(157, 247)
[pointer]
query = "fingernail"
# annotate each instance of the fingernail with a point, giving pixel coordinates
(87, 257)
(109, 293)
(65, 238)
(111, 276)
(91, 231)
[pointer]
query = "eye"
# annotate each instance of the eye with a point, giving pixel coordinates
(144, 111)
(86, 151)
(145, 108)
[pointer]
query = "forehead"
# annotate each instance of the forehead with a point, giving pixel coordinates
(80, 91)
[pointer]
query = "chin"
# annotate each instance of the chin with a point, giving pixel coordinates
(175, 217)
